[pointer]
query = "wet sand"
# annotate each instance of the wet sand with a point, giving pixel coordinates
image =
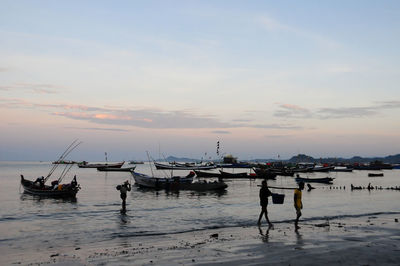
(366, 240)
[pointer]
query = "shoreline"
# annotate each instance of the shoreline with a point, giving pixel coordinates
(365, 240)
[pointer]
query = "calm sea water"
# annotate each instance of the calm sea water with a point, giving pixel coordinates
(31, 223)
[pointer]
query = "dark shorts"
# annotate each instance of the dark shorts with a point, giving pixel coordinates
(123, 196)
(264, 208)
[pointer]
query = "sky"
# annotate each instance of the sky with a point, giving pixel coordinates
(268, 79)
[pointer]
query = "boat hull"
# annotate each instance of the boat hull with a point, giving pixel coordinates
(325, 180)
(47, 191)
(101, 165)
(113, 169)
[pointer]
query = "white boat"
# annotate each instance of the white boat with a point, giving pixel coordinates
(160, 182)
(177, 183)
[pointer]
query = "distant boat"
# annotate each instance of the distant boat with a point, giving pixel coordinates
(115, 169)
(175, 166)
(375, 174)
(64, 162)
(341, 169)
(326, 180)
(100, 165)
(265, 173)
(136, 162)
(322, 168)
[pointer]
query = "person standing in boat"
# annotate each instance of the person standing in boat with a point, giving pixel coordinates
(298, 204)
(123, 189)
(264, 194)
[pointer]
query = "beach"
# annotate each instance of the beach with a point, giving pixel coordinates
(339, 226)
(363, 240)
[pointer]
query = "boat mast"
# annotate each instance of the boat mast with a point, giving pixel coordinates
(69, 149)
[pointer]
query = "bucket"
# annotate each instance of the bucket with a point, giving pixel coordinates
(277, 198)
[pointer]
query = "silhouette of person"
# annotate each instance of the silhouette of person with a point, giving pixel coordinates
(298, 204)
(264, 194)
(123, 189)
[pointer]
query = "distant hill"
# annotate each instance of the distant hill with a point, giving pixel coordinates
(392, 159)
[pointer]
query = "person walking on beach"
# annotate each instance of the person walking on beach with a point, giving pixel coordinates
(123, 189)
(264, 194)
(298, 204)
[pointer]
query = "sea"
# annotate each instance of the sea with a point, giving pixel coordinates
(31, 223)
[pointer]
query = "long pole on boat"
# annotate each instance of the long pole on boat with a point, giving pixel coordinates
(64, 173)
(151, 169)
(69, 149)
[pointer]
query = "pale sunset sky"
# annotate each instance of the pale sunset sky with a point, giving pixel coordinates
(265, 78)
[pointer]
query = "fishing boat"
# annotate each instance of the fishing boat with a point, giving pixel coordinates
(200, 173)
(85, 164)
(136, 162)
(147, 181)
(233, 175)
(325, 180)
(38, 188)
(341, 169)
(265, 173)
(116, 169)
(56, 189)
(322, 168)
(175, 166)
(64, 162)
(375, 174)
(202, 185)
(177, 183)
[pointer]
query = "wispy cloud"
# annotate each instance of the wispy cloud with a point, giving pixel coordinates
(220, 132)
(139, 117)
(39, 88)
(273, 25)
(99, 129)
(278, 136)
(293, 111)
(297, 112)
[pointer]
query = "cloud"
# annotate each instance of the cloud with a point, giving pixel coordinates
(4, 69)
(297, 112)
(293, 111)
(272, 25)
(100, 129)
(33, 87)
(138, 117)
(278, 136)
(221, 132)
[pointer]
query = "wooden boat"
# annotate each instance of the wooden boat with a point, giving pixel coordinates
(200, 173)
(233, 175)
(100, 165)
(201, 186)
(322, 168)
(341, 169)
(326, 180)
(265, 173)
(136, 162)
(183, 167)
(57, 191)
(147, 181)
(115, 169)
(375, 174)
(64, 162)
